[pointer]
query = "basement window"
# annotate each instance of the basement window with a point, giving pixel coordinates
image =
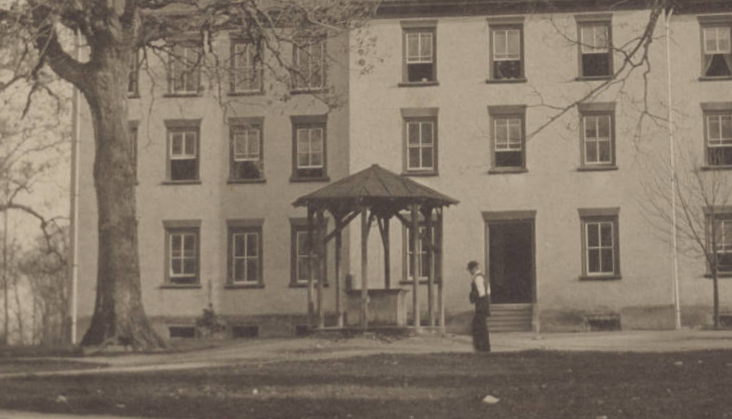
(182, 332)
(244, 332)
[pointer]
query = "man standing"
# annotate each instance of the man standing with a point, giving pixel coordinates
(480, 295)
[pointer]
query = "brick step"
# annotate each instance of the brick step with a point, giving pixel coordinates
(510, 317)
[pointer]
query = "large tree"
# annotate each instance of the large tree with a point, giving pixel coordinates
(40, 34)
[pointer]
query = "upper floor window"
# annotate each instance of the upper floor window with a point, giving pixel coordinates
(308, 72)
(245, 252)
(183, 252)
(185, 68)
(183, 150)
(507, 52)
(717, 55)
(309, 148)
(598, 138)
(600, 247)
(247, 154)
(595, 47)
(419, 52)
(420, 140)
(718, 143)
(246, 67)
(507, 138)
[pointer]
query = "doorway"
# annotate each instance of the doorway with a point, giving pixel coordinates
(511, 261)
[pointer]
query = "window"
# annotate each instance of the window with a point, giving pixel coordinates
(245, 252)
(719, 138)
(133, 76)
(309, 65)
(247, 157)
(597, 132)
(133, 148)
(595, 48)
(309, 148)
(600, 249)
(182, 151)
(507, 53)
(420, 140)
(423, 259)
(717, 50)
(300, 258)
(507, 137)
(246, 67)
(185, 69)
(182, 252)
(722, 236)
(419, 52)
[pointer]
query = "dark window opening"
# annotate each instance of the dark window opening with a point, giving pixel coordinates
(604, 324)
(244, 332)
(504, 70)
(725, 320)
(596, 65)
(420, 72)
(183, 169)
(182, 332)
(302, 330)
(719, 66)
(510, 159)
(247, 170)
(310, 173)
(720, 156)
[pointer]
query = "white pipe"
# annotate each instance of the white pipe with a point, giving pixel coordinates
(672, 148)
(74, 216)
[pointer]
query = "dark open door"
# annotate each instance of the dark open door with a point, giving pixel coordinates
(511, 261)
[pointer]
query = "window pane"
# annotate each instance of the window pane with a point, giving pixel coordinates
(726, 127)
(714, 127)
(499, 43)
(604, 149)
(607, 261)
(176, 144)
(602, 41)
(189, 245)
(252, 244)
(303, 159)
(176, 241)
(176, 266)
(427, 133)
(590, 127)
(316, 139)
(603, 130)
(427, 161)
(412, 45)
(593, 239)
(413, 157)
(413, 133)
(302, 269)
(189, 266)
(239, 245)
(606, 234)
(515, 130)
(252, 270)
(316, 159)
(514, 44)
(302, 243)
(239, 270)
(183, 169)
(710, 40)
(190, 143)
(593, 261)
(591, 152)
(426, 47)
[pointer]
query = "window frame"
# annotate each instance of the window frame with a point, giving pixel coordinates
(418, 27)
(420, 115)
(187, 46)
(257, 68)
(709, 163)
(296, 77)
(181, 227)
(407, 254)
(503, 24)
(235, 227)
(299, 226)
(309, 123)
(235, 124)
(707, 22)
(133, 76)
(714, 215)
(507, 112)
(185, 126)
(594, 20)
(599, 216)
(594, 110)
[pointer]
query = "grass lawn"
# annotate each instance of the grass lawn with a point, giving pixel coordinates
(442, 386)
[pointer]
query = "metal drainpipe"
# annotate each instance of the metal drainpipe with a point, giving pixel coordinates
(74, 234)
(672, 148)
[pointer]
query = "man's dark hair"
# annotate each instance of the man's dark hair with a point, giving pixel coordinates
(472, 264)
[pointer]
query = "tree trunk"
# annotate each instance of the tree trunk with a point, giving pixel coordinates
(119, 317)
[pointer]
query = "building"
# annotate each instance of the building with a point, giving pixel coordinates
(529, 115)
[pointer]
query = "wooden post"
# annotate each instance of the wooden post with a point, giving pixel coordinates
(387, 256)
(364, 268)
(338, 244)
(415, 268)
(321, 264)
(440, 251)
(431, 276)
(311, 272)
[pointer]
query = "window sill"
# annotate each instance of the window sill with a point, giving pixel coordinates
(421, 174)
(600, 278)
(181, 182)
(245, 181)
(250, 93)
(180, 287)
(309, 179)
(506, 81)
(305, 285)
(719, 275)
(597, 168)
(593, 78)
(182, 95)
(244, 286)
(507, 170)
(418, 83)
(306, 91)
(712, 168)
(724, 78)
